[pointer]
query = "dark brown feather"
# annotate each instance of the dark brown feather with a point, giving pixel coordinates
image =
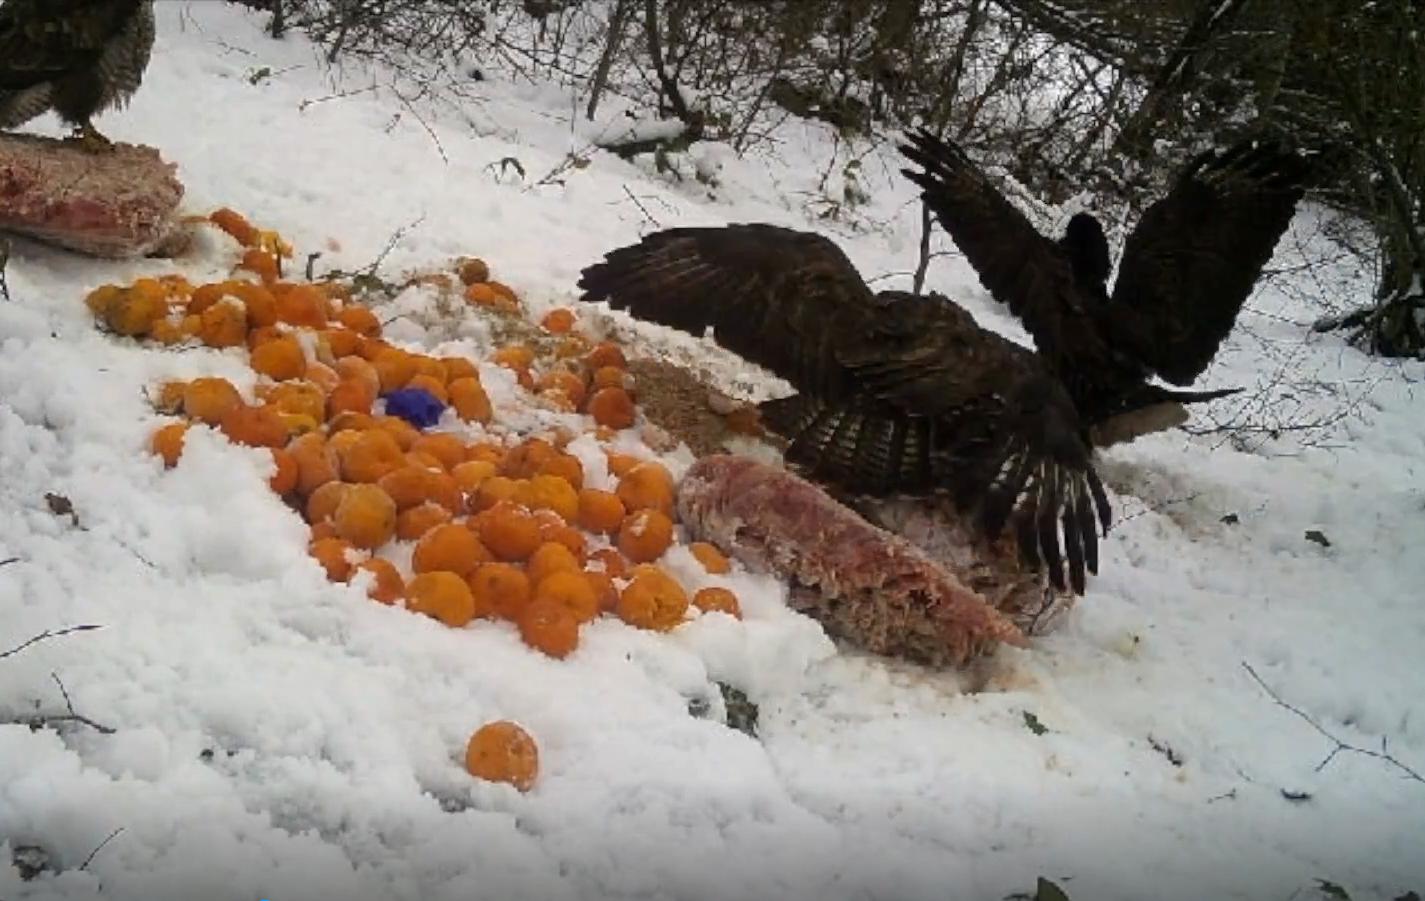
(897, 393)
(1187, 268)
(1196, 254)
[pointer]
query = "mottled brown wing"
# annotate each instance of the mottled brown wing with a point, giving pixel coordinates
(43, 39)
(1196, 254)
(942, 404)
(772, 295)
(1018, 266)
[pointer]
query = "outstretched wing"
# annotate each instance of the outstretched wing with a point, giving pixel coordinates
(41, 40)
(1195, 255)
(986, 422)
(768, 293)
(1018, 266)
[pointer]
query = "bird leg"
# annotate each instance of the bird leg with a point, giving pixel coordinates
(89, 138)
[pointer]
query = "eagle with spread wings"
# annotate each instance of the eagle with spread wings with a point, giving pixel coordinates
(76, 57)
(898, 393)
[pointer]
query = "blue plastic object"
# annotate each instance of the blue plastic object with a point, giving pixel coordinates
(415, 405)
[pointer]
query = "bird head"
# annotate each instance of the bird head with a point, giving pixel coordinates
(1087, 248)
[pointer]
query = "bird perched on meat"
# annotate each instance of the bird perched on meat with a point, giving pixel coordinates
(1187, 268)
(896, 393)
(76, 57)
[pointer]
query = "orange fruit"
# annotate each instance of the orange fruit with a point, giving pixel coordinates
(167, 442)
(331, 554)
(316, 462)
(254, 427)
(714, 599)
(450, 547)
(209, 399)
(600, 511)
(395, 368)
(547, 492)
(645, 535)
(652, 600)
(647, 486)
(350, 396)
(548, 626)
(710, 557)
(509, 533)
(302, 305)
(443, 446)
(547, 559)
(441, 595)
(366, 516)
(386, 585)
(501, 588)
(606, 353)
(609, 560)
(558, 321)
(285, 471)
(611, 407)
(503, 752)
(416, 521)
(571, 590)
(371, 456)
(360, 320)
(280, 359)
(323, 501)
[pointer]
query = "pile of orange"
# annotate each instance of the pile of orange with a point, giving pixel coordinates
(497, 528)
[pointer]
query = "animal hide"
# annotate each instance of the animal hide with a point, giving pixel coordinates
(119, 204)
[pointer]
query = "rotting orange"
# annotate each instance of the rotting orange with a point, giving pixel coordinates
(167, 442)
(547, 559)
(441, 595)
(570, 590)
(647, 486)
(558, 321)
(501, 588)
(717, 599)
(503, 752)
(710, 557)
(547, 625)
(416, 521)
(209, 399)
(323, 502)
(279, 359)
(606, 353)
(600, 511)
(254, 427)
(611, 407)
(371, 456)
(645, 535)
(443, 446)
(366, 516)
(509, 533)
(332, 553)
(386, 585)
(285, 471)
(450, 547)
(652, 600)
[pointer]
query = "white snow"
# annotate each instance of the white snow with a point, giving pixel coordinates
(280, 737)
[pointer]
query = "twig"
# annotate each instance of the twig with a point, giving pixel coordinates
(8, 560)
(46, 634)
(924, 262)
(1382, 754)
(112, 835)
(73, 716)
(4, 261)
(641, 208)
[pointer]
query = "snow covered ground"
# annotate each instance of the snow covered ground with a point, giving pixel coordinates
(283, 738)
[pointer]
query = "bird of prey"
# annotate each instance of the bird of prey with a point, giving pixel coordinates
(1187, 268)
(76, 57)
(897, 393)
